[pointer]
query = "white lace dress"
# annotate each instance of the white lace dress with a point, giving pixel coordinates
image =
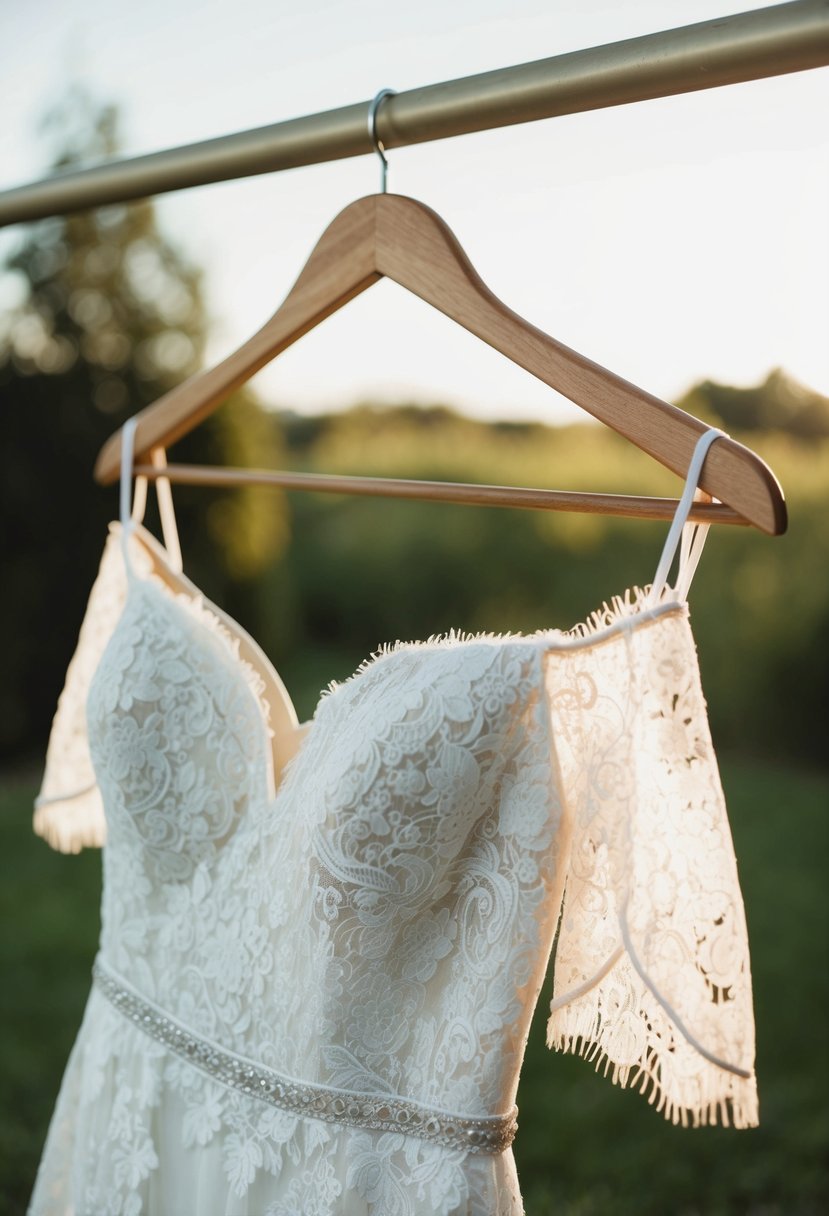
(316, 978)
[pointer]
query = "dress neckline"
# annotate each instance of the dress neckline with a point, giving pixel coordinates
(622, 613)
(636, 606)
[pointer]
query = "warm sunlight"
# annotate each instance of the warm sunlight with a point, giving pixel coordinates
(672, 240)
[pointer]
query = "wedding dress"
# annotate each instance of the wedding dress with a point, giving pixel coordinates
(315, 982)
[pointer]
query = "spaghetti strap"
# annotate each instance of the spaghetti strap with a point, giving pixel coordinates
(164, 495)
(689, 538)
(134, 514)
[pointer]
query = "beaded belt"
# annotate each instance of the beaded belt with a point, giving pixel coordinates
(491, 1134)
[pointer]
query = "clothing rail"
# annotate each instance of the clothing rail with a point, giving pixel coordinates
(728, 50)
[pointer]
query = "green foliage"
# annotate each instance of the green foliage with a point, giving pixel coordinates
(779, 404)
(362, 572)
(102, 292)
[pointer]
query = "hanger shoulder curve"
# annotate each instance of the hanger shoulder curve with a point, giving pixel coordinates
(419, 251)
(340, 267)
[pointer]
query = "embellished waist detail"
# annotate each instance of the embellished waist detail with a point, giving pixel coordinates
(489, 1134)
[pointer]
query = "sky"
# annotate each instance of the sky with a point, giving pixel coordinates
(671, 240)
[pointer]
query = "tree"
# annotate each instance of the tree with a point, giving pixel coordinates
(778, 404)
(109, 315)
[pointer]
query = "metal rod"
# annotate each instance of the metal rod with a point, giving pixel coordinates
(445, 491)
(746, 46)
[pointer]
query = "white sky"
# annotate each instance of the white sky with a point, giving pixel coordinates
(670, 240)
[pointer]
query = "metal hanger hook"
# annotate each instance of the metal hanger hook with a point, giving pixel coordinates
(377, 144)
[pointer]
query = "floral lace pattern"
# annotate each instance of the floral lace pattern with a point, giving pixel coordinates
(381, 922)
(652, 949)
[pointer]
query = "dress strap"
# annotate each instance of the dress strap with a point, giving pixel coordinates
(164, 494)
(689, 538)
(134, 514)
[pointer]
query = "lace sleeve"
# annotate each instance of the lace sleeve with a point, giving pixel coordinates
(68, 810)
(652, 978)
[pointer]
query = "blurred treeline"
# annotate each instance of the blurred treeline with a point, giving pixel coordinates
(106, 315)
(359, 572)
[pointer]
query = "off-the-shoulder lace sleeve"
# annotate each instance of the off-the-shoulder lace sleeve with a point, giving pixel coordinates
(652, 977)
(68, 810)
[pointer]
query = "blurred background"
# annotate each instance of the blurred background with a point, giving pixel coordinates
(681, 242)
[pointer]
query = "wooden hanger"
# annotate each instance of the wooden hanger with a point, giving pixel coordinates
(388, 235)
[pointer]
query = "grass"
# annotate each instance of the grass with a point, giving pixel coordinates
(585, 1148)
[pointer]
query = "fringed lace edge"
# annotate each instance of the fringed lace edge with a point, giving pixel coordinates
(726, 1099)
(625, 610)
(635, 602)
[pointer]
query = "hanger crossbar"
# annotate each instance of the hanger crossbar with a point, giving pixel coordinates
(622, 505)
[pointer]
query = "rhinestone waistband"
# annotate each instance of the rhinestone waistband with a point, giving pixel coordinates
(492, 1134)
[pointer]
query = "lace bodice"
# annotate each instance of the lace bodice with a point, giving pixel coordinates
(316, 978)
